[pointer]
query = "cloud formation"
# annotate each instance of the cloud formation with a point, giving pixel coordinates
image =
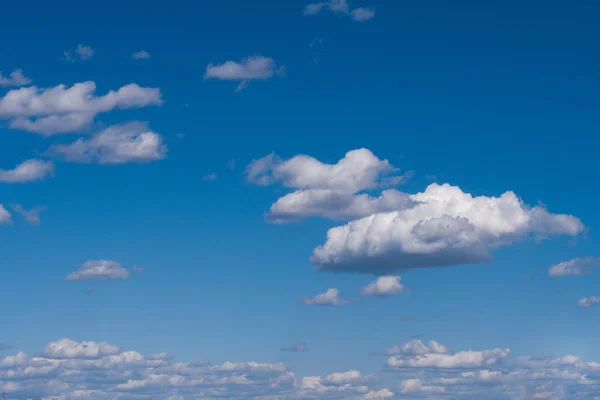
(28, 171)
(132, 142)
(140, 55)
(340, 7)
(587, 302)
(330, 298)
(99, 270)
(62, 109)
(249, 69)
(82, 52)
(32, 216)
(416, 348)
(384, 286)
(295, 348)
(446, 227)
(15, 78)
(574, 267)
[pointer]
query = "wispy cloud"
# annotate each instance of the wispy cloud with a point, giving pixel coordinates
(341, 7)
(330, 298)
(140, 55)
(16, 78)
(99, 270)
(249, 69)
(32, 216)
(295, 348)
(27, 171)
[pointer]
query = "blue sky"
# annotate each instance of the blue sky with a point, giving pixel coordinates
(488, 97)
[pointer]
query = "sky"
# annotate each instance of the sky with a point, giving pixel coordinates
(366, 199)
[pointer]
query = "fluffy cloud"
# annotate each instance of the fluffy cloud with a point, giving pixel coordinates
(132, 142)
(383, 286)
(140, 55)
(576, 266)
(415, 385)
(463, 359)
(587, 302)
(342, 7)
(329, 190)
(445, 227)
(330, 298)
(16, 78)
(67, 348)
(295, 348)
(99, 270)
(82, 51)
(69, 370)
(249, 69)
(32, 216)
(27, 171)
(63, 109)
(416, 348)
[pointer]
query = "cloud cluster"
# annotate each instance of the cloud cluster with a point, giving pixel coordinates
(340, 7)
(249, 69)
(99, 270)
(587, 302)
(384, 286)
(441, 226)
(15, 78)
(132, 142)
(82, 52)
(62, 109)
(69, 370)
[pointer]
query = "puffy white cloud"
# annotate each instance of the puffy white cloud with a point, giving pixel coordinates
(446, 227)
(27, 171)
(295, 348)
(249, 69)
(132, 142)
(342, 7)
(576, 266)
(329, 190)
(416, 348)
(587, 302)
(378, 394)
(415, 385)
(140, 55)
(99, 270)
(32, 216)
(463, 359)
(16, 78)
(383, 286)
(330, 298)
(67, 348)
(348, 377)
(63, 109)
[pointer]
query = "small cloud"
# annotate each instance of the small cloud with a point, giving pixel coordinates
(362, 14)
(94, 270)
(32, 216)
(575, 267)
(140, 55)
(249, 69)
(295, 348)
(84, 52)
(383, 287)
(210, 177)
(16, 78)
(587, 302)
(330, 298)
(136, 270)
(341, 7)
(27, 171)
(243, 85)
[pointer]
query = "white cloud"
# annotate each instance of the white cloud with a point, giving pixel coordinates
(132, 142)
(16, 78)
(463, 359)
(63, 109)
(446, 227)
(383, 286)
(84, 52)
(330, 298)
(99, 270)
(140, 55)
(576, 266)
(210, 177)
(587, 302)
(348, 377)
(32, 216)
(378, 394)
(341, 7)
(416, 386)
(416, 348)
(27, 171)
(295, 348)
(249, 69)
(362, 14)
(67, 348)
(5, 217)
(329, 190)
